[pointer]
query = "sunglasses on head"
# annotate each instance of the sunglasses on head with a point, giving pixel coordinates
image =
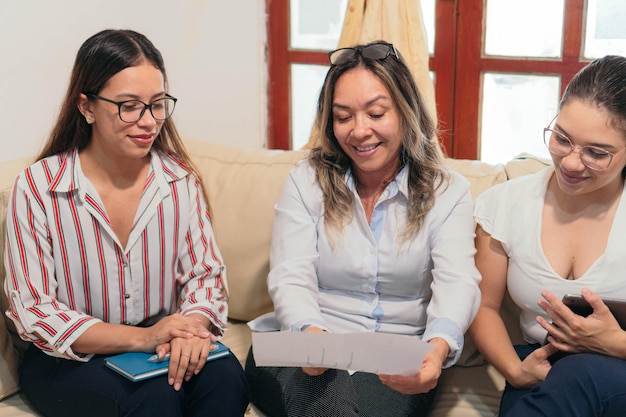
(378, 51)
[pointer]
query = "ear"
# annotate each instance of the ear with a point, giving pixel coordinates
(84, 106)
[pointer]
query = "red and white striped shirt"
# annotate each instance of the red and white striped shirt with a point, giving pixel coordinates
(66, 269)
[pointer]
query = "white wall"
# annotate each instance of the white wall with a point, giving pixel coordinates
(213, 51)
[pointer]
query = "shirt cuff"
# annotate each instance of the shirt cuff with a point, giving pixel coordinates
(451, 333)
(218, 320)
(305, 324)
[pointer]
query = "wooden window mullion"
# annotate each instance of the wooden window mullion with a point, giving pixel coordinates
(278, 86)
(573, 40)
(467, 79)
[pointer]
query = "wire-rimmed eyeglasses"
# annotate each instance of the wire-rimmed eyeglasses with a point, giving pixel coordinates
(378, 51)
(593, 157)
(131, 111)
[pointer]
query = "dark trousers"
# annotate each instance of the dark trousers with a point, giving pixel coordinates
(281, 392)
(578, 385)
(65, 388)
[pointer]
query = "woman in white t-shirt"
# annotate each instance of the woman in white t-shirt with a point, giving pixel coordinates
(555, 232)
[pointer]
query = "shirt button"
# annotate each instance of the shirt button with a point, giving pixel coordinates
(127, 296)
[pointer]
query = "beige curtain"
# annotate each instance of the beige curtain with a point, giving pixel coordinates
(396, 21)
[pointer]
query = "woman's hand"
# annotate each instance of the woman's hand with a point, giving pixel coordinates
(187, 357)
(108, 338)
(428, 376)
(314, 371)
(189, 351)
(599, 332)
(534, 368)
(175, 326)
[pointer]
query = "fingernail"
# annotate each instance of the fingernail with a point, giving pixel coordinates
(170, 381)
(177, 386)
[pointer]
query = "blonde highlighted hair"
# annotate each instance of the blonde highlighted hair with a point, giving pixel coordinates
(419, 153)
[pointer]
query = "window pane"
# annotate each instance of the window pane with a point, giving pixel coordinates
(524, 28)
(515, 109)
(306, 82)
(316, 24)
(428, 15)
(605, 31)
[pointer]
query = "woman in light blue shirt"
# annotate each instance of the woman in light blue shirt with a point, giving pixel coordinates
(371, 234)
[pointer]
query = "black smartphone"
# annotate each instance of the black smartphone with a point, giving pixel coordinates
(578, 305)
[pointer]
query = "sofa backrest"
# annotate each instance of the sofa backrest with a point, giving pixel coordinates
(243, 186)
(480, 175)
(523, 164)
(10, 344)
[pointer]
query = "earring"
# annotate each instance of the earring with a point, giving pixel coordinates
(90, 119)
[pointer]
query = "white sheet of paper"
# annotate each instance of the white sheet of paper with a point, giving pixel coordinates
(378, 353)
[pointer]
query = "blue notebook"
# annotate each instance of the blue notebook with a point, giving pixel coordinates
(136, 365)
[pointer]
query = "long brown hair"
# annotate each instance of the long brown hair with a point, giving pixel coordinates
(99, 58)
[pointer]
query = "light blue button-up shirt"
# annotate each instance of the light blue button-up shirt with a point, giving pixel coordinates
(365, 278)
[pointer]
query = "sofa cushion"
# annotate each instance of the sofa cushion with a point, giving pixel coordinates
(481, 175)
(524, 164)
(243, 186)
(9, 357)
(468, 392)
(9, 381)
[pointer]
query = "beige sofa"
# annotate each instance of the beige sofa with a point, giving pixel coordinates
(243, 186)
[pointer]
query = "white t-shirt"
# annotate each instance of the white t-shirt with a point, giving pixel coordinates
(511, 213)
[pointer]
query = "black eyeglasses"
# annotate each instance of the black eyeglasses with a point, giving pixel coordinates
(131, 111)
(378, 51)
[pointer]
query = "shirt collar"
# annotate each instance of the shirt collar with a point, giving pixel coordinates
(400, 184)
(70, 174)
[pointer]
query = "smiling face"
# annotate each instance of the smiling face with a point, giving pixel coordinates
(110, 135)
(367, 125)
(586, 124)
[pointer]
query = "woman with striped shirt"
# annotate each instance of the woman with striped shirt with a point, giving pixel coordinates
(110, 249)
